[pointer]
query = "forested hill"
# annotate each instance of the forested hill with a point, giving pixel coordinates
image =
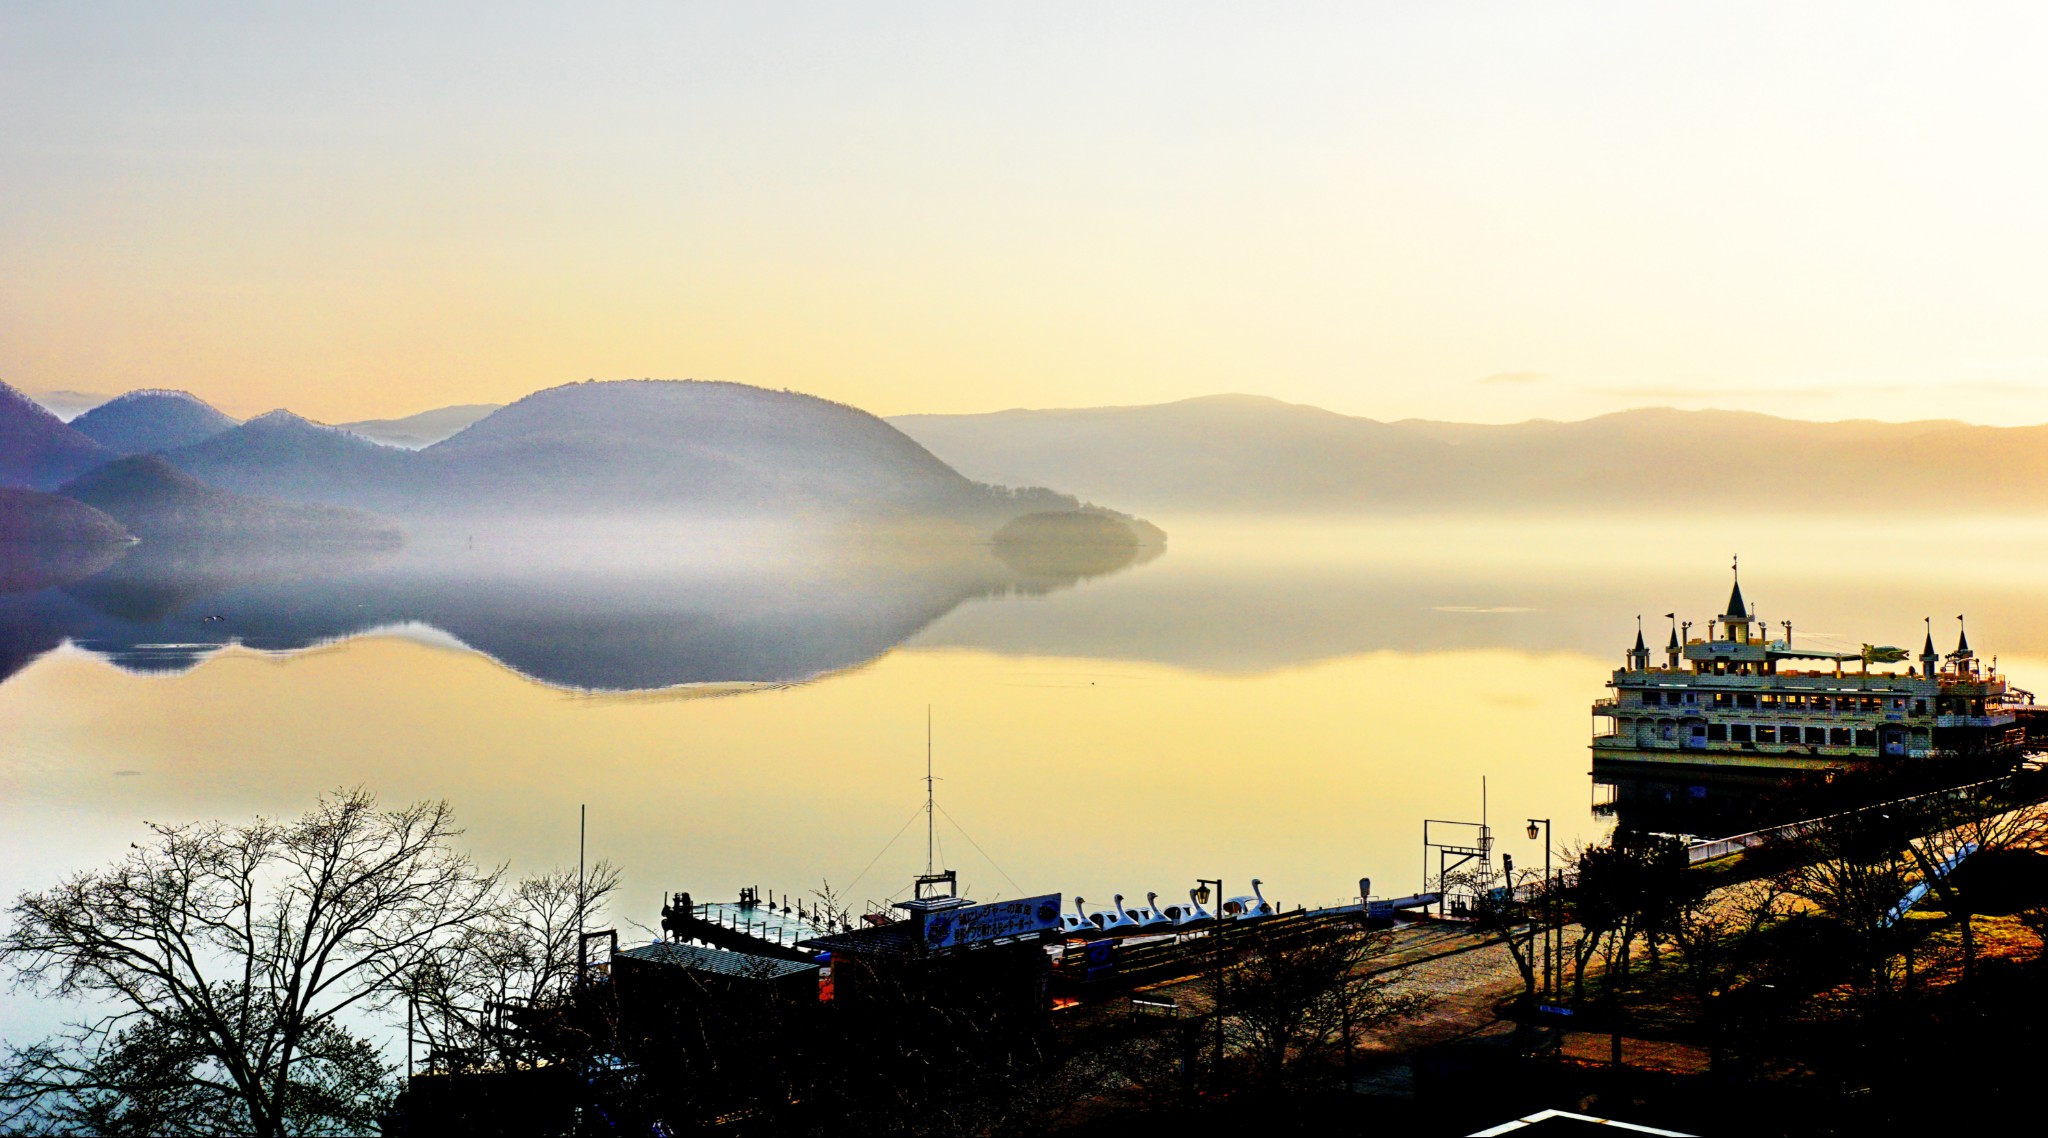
(151, 420)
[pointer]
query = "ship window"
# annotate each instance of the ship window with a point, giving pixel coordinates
(1839, 736)
(1765, 733)
(1717, 732)
(1865, 737)
(1699, 730)
(1795, 702)
(1768, 702)
(1692, 698)
(1746, 701)
(1720, 699)
(1816, 734)
(1919, 707)
(1739, 732)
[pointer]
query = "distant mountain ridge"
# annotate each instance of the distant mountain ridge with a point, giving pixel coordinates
(1252, 454)
(151, 419)
(617, 447)
(414, 432)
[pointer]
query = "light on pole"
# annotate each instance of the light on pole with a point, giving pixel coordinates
(1216, 932)
(1549, 905)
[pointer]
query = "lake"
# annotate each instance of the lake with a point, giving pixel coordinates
(1286, 700)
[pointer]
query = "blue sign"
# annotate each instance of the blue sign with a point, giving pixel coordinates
(977, 924)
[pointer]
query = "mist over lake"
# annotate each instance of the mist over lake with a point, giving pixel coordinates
(747, 707)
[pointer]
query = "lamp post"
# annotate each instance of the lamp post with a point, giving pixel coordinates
(1216, 932)
(1549, 904)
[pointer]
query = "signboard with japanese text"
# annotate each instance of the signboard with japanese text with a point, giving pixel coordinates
(977, 924)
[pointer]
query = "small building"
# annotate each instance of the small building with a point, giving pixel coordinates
(949, 952)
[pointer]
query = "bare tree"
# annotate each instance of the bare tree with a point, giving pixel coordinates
(1856, 874)
(520, 957)
(1987, 820)
(226, 962)
(1295, 1001)
(1509, 906)
(1714, 933)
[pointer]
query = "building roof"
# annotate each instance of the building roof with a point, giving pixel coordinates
(743, 965)
(1735, 606)
(896, 939)
(1545, 1122)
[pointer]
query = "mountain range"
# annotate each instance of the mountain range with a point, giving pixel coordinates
(639, 445)
(1241, 453)
(623, 447)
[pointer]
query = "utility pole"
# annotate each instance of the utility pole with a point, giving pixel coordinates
(1549, 905)
(930, 824)
(582, 834)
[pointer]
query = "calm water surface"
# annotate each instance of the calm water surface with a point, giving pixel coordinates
(1277, 700)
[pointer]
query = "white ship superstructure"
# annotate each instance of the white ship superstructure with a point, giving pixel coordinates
(1741, 702)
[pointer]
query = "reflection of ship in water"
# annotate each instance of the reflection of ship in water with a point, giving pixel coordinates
(1728, 732)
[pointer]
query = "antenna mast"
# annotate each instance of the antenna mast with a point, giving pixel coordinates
(930, 824)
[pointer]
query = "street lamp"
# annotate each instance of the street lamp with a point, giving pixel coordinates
(1215, 932)
(1549, 904)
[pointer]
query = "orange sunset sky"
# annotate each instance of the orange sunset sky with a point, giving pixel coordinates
(1472, 211)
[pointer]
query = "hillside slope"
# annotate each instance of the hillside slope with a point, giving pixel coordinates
(723, 446)
(163, 505)
(151, 420)
(49, 539)
(37, 449)
(280, 455)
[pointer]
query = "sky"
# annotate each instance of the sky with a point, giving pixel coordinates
(1485, 212)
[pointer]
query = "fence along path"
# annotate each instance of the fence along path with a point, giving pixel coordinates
(1698, 852)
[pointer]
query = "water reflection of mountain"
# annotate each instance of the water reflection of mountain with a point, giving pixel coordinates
(655, 615)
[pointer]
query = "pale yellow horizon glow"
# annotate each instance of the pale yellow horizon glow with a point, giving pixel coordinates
(1483, 212)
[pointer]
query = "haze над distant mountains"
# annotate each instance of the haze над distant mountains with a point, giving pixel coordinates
(619, 447)
(414, 432)
(1250, 454)
(161, 504)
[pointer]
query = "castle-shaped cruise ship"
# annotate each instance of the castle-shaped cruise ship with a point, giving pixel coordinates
(1741, 705)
